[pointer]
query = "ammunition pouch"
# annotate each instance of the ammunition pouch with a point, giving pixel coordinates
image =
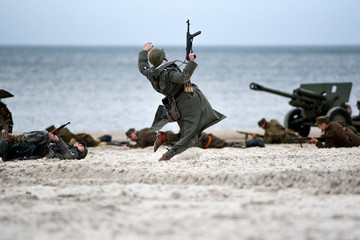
(170, 110)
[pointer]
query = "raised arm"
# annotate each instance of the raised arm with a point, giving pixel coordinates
(143, 62)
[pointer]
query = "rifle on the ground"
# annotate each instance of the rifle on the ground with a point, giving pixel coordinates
(189, 40)
(300, 139)
(250, 133)
(56, 131)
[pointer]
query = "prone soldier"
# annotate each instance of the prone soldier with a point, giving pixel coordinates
(335, 135)
(146, 137)
(89, 140)
(275, 132)
(38, 144)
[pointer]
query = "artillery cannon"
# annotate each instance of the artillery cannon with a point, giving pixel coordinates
(6, 121)
(311, 101)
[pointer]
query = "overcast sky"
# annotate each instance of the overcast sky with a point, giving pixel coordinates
(134, 22)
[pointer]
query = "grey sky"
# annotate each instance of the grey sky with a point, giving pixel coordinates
(226, 22)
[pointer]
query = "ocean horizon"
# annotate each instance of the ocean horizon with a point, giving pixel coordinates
(99, 88)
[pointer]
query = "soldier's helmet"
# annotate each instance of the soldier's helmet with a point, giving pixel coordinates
(156, 56)
(261, 122)
(85, 152)
(129, 132)
(321, 120)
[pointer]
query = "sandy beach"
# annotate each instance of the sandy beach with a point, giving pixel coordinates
(277, 192)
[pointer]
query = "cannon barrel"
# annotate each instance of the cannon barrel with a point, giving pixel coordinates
(312, 100)
(308, 93)
(258, 87)
(299, 93)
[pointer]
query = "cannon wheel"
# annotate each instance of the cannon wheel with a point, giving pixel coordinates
(339, 113)
(295, 114)
(6, 121)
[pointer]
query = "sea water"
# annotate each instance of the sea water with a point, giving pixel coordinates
(101, 89)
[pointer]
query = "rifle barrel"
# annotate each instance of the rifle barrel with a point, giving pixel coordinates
(57, 130)
(195, 34)
(250, 133)
(321, 139)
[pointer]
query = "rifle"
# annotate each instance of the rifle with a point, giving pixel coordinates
(300, 139)
(250, 133)
(189, 40)
(56, 131)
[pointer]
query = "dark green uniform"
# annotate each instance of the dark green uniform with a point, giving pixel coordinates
(195, 110)
(212, 141)
(277, 133)
(209, 140)
(66, 135)
(146, 138)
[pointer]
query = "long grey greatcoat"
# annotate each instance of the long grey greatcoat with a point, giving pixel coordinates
(195, 110)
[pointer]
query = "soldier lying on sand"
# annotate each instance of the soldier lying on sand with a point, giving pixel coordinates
(89, 140)
(38, 144)
(275, 132)
(335, 135)
(146, 137)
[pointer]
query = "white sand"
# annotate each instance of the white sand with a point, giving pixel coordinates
(277, 192)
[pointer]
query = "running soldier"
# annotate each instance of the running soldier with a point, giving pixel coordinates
(190, 109)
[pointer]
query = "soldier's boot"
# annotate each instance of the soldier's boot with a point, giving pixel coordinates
(237, 145)
(167, 156)
(161, 138)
